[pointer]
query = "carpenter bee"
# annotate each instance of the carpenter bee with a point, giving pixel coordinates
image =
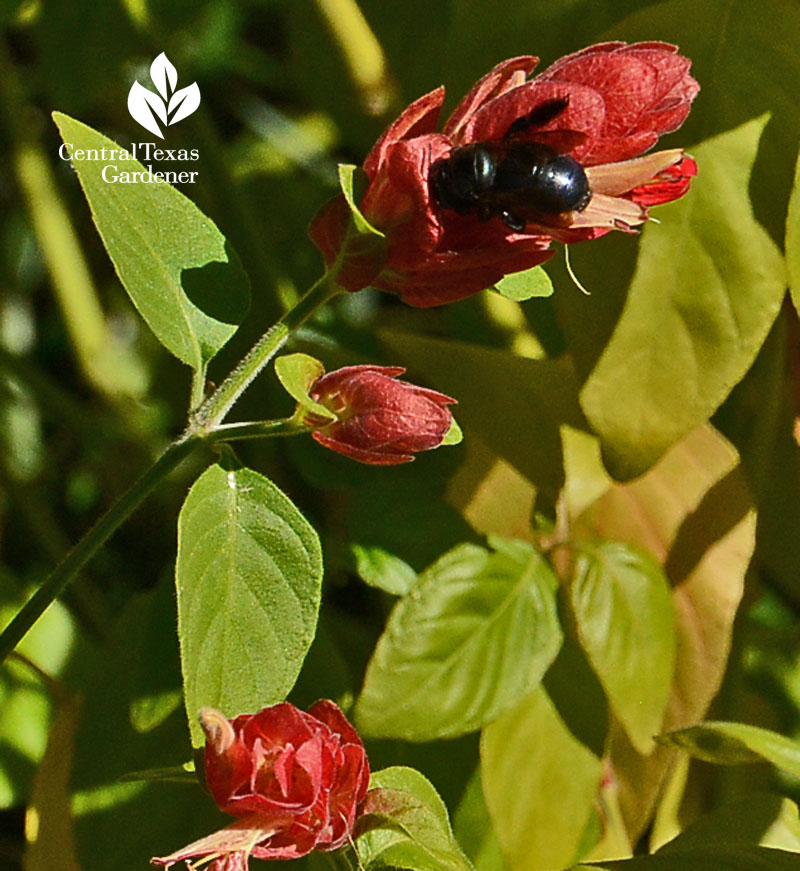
(519, 180)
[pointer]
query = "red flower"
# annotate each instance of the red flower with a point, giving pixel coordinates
(618, 100)
(294, 780)
(381, 421)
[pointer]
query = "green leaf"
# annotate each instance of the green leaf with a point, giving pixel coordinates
(705, 859)
(407, 825)
(755, 819)
(454, 435)
(473, 828)
(520, 286)
(540, 785)
(736, 743)
(626, 624)
(708, 285)
(476, 633)
(793, 239)
(297, 372)
(350, 178)
(379, 568)
(175, 264)
(248, 576)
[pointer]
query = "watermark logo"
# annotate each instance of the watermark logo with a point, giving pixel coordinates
(171, 106)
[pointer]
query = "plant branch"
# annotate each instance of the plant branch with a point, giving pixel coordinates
(211, 413)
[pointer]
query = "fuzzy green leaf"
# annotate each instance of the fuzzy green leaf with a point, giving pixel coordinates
(477, 633)
(626, 624)
(405, 825)
(248, 576)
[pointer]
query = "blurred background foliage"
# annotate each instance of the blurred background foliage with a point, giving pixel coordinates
(87, 397)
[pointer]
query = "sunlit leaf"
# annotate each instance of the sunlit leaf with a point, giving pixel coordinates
(528, 284)
(736, 744)
(379, 568)
(352, 178)
(692, 512)
(405, 825)
(248, 577)
(297, 373)
(540, 785)
(626, 624)
(476, 632)
(708, 285)
(175, 264)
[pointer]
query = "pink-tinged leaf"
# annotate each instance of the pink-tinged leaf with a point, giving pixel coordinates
(183, 103)
(693, 513)
(141, 103)
(164, 75)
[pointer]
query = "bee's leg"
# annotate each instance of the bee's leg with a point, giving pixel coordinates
(540, 115)
(516, 224)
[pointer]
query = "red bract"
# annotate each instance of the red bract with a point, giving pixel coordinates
(621, 99)
(381, 421)
(293, 779)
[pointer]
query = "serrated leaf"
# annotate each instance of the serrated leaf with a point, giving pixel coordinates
(705, 859)
(407, 825)
(248, 576)
(476, 633)
(735, 744)
(528, 284)
(626, 625)
(540, 785)
(379, 568)
(708, 285)
(350, 178)
(176, 266)
(297, 372)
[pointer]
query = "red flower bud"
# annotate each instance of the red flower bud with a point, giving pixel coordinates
(616, 99)
(381, 421)
(293, 779)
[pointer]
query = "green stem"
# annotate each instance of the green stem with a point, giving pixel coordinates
(91, 542)
(208, 417)
(205, 426)
(230, 432)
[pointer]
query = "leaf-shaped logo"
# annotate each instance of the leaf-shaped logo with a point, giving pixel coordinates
(171, 106)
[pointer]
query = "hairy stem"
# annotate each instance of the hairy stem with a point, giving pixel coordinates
(212, 412)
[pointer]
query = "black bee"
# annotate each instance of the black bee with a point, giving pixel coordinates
(516, 179)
